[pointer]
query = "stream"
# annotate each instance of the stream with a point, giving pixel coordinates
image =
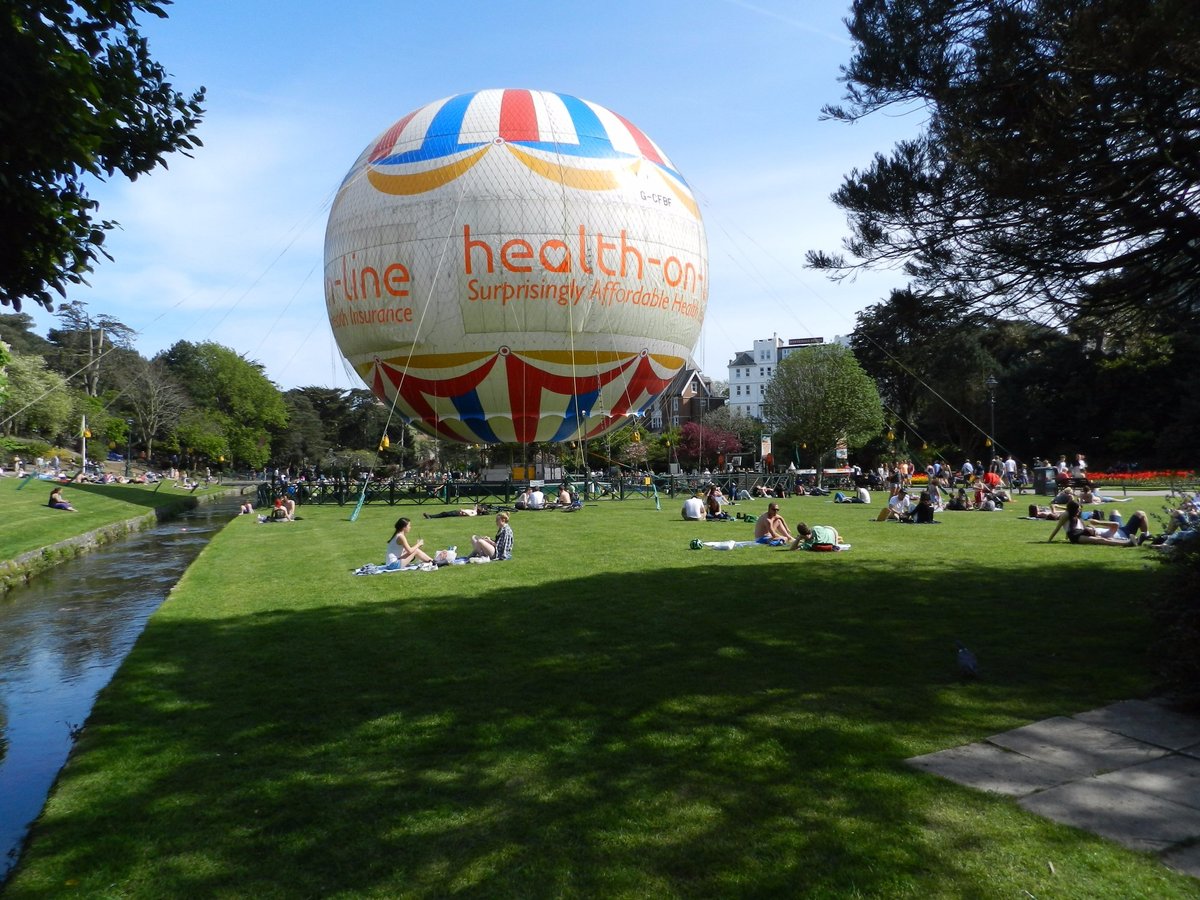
(63, 636)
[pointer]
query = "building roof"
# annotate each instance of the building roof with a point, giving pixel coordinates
(744, 358)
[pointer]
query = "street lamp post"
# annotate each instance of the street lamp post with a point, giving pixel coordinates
(991, 383)
(129, 449)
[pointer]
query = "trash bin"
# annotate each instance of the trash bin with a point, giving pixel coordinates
(1043, 480)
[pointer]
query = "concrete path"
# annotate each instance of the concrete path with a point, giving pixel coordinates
(1129, 772)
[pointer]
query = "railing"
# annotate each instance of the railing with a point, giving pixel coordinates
(623, 487)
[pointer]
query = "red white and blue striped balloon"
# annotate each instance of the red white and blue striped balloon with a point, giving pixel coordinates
(514, 265)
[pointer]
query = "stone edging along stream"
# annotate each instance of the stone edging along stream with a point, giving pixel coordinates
(19, 571)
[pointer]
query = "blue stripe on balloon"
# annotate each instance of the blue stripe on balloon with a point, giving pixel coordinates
(571, 422)
(441, 137)
(470, 411)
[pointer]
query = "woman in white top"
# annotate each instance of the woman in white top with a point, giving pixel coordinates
(400, 550)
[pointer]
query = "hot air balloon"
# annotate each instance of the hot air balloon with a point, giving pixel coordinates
(515, 266)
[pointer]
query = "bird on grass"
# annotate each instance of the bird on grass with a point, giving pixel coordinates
(968, 667)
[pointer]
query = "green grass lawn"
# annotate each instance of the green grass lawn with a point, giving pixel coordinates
(27, 523)
(609, 714)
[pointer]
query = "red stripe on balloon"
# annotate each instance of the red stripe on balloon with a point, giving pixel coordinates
(524, 397)
(648, 150)
(384, 146)
(518, 118)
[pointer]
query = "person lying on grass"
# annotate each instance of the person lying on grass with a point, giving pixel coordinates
(1107, 533)
(771, 528)
(498, 548)
(400, 549)
(57, 501)
(479, 509)
(815, 537)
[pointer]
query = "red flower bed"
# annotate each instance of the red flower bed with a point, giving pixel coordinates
(1133, 479)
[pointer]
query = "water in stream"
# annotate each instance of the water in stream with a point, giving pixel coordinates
(61, 639)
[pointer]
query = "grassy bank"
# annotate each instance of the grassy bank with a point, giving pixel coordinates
(34, 537)
(609, 714)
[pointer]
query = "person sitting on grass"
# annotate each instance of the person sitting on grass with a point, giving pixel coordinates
(498, 548)
(401, 550)
(771, 529)
(922, 513)
(565, 499)
(815, 537)
(246, 509)
(693, 509)
(712, 504)
(1184, 517)
(1080, 532)
(897, 508)
(961, 501)
(57, 501)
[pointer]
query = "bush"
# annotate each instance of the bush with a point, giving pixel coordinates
(1177, 613)
(28, 449)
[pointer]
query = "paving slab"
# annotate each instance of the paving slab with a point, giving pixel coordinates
(987, 767)
(1146, 720)
(1086, 749)
(1185, 860)
(1133, 818)
(1175, 778)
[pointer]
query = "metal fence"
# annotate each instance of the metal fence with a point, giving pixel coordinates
(396, 491)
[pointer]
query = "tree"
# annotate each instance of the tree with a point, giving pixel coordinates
(157, 400)
(704, 445)
(5, 359)
(303, 440)
(748, 429)
(82, 99)
(81, 342)
(929, 363)
(240, 404)
(821, 396)
(38, 399)
(17, 330)
(1058, 165)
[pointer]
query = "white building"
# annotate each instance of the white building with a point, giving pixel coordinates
(751, 370)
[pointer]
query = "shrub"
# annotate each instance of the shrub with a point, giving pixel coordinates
(1177, 613)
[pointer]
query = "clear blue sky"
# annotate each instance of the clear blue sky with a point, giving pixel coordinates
(227, 246)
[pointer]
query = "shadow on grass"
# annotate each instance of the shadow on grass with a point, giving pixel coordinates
(137, 495)
(621, 733)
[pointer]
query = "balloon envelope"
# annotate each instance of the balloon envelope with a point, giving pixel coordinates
(514, 265)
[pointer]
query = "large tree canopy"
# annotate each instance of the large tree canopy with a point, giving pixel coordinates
(82, 99)
(1058, 165)
(236, 405)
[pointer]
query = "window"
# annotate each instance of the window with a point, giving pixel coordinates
(675, 405)
(739, 390)
(760, 371)
(674, 421)
(768, 370)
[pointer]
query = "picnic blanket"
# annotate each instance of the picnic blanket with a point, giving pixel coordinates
(373, 569)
